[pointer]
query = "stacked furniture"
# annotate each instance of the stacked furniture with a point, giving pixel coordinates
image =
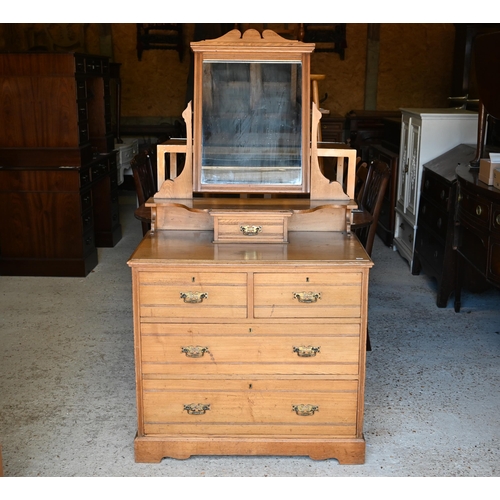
(250, 291)
(58, 172)
(425, 134)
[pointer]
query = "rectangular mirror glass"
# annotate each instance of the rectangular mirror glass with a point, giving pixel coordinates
(251, 123)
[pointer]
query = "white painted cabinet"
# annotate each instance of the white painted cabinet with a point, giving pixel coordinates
(425, 134)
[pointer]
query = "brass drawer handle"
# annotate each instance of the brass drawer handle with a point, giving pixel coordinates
(250, 230)
(196, 408)
(497, 219)
(305, 410)
(307, 297)
(479, 210)
(194, 297)
(306, 351)
(194, 351)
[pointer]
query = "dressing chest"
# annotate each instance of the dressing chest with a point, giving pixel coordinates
(250, 292)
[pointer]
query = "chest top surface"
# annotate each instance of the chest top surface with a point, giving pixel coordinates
(172, 247)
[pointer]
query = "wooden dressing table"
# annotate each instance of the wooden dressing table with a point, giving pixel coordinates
(250, 313)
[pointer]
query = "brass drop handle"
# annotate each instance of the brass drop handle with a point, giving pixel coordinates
(305, 410)
(306, 351)
(194, 351)
(194, 297)
(307, 297)
(479, 210)
(196, 408)
(497, 219)
(250, 230)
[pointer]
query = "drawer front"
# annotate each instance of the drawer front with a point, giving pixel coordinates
(86, 200)
(246, 228)
(434, 218)
(252, 406)
(436, 189)
(307, 295)
(99, 169)
(474, 246)
(81, 88)
(198, 294)
(430, 249)
(243, 349)
(474, 209)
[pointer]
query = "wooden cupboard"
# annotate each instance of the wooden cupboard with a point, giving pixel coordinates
(58, 174)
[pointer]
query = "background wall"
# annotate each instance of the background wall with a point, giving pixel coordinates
(415, 65)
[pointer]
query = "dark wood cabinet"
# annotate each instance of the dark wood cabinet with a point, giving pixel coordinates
(332, 128)
(434, 252)
(478, 237)
(58, 173)
(365, 128)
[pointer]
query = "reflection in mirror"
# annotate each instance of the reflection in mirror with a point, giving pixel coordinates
(251, 123)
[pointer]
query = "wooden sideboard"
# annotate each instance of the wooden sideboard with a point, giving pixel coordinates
(478, 241)
(58, 173)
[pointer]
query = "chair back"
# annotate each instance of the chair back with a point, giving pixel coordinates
(371, 200)
(144, 178)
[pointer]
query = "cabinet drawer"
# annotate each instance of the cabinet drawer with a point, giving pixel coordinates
(474, 208)
(436, 189)
(243, 349)
(436, 219)
(301, 295)
(255, 228)
(199, 294)
(250, 406)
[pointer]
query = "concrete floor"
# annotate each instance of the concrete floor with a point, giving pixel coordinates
(67, 406)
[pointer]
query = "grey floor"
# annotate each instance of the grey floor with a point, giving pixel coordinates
(67, 406)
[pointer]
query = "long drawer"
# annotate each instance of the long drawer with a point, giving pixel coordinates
(307, 295)
(252, 406)
(331, 349)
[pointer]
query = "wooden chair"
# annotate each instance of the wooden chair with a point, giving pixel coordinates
(371, 201)
(361, 174)
(145, 185)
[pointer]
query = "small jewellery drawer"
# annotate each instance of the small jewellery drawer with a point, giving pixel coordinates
(292, 407)
(243, 349)
(306, 295)
(265, 227)
(197, 294)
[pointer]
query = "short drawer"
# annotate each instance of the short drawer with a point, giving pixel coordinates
(255, 228)
(474, 208)
(243, 349)
(434, 218)
(434, 188)
(292, 407)
(199, 294)
(307, 295)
